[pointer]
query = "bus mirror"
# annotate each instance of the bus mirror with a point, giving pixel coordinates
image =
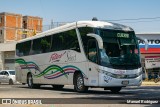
(146, 44)
(98, 38)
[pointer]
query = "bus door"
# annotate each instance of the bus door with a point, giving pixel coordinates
(93, 62)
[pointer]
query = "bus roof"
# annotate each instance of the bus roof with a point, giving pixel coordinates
(96, 24)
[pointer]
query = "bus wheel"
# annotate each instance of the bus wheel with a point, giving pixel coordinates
(115, 89)
(30, 82)
(57, 86)
(79, 83)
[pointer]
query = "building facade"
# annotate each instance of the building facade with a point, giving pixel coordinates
(14, 27)
(150, 58)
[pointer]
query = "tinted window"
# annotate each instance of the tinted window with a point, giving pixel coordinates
(19, 51)
(26, 47)
(23, 49)
(45, 44)
(6, 73)
(12, 72)
(41, 45)
(2, 73)
(36, 46)
(83, 32)
(71, 40)
(65, 40)
(57, 43)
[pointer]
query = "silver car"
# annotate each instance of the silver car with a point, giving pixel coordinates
(7, 76)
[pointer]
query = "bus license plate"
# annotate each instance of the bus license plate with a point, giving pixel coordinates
(125, 82)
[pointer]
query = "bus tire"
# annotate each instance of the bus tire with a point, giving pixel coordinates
(57, 87)
(79, 83)
(30, 82)
(115, 89)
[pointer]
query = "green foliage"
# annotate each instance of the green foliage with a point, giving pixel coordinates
(45, 43)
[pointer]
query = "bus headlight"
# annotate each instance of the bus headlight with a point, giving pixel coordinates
(122, 76)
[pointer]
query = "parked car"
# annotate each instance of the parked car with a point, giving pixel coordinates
(7, 76)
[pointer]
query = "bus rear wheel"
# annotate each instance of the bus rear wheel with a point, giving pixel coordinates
(30, 82)
(57, 87)
(115, 89)
(79, 83)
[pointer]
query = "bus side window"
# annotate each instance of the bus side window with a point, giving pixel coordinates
(19, 49)
(71, 40)
(64, 41)
(26, 48)
(45, 44)
(36, 48)
(56, 42)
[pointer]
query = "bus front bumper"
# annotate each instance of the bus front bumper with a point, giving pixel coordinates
(108, 81)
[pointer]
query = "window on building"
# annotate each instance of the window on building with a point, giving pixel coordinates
(9, 61)
(24, 25)
(24, 36)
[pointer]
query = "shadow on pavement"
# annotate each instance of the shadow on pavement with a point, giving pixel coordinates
(70, 91)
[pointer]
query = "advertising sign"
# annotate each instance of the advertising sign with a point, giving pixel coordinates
(153, 41)
(152, 62)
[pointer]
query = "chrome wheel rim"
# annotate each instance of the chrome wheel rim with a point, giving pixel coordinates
(79, 83)
(30, 81)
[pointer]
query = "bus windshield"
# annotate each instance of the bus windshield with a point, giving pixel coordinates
(120, 48)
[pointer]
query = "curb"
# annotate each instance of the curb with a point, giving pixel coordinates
(150, 84)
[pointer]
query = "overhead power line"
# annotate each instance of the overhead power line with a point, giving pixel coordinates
(142, 21)
(151, 18)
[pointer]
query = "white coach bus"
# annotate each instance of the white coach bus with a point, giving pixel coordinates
(84, 54)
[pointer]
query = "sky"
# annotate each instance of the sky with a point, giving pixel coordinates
(75, 10)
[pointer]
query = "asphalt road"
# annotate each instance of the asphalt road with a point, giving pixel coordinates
(144, 94)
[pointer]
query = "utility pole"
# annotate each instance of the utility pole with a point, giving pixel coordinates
(52, 25)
